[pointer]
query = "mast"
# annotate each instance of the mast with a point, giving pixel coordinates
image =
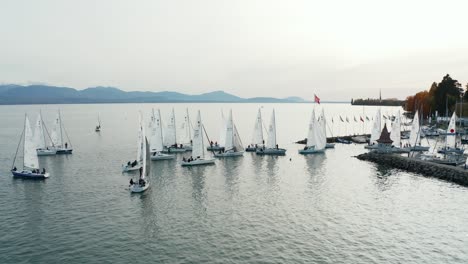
(61, 134)
(19, 143)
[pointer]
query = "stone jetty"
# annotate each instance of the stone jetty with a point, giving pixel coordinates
(449, 173)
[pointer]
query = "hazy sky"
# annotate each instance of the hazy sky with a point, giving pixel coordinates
(336, 49)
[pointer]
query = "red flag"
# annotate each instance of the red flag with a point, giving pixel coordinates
(316, 99)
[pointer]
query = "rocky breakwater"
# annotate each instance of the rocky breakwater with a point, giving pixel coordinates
(449, 173)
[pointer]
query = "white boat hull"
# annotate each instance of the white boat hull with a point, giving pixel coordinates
(46, 152)
(271, 151)
(174, 150)
(229, 154)
(376, 146)
(311, 151)
(127, 168)
(330, 145)
(215, 148)
(137, 188)
(198, 162)
(161, 156)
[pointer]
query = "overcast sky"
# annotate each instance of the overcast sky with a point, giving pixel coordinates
(336, 49)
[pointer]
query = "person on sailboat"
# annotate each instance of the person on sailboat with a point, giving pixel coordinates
(66, 145)
(131, 182)
(43, 171)
(276, 146)
(141, 171)
(14, 169)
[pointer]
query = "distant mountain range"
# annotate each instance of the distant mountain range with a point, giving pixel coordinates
(44, 94)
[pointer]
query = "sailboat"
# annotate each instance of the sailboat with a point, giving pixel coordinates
(157, 139)
(143, 183)
(376, 131)
(271, 147)
(39, 138)
(451, 138)
(257, 138)
(219, 146)
(136, 164)
(170, 137)
(415, 135)
(57, 137)
(233, 144)
(316, 140)
(98, 127)
(187, 127)
(198, 149)
(395, 136)
(30, 159)
(323, 124)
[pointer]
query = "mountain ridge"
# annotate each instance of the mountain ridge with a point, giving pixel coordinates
(46, 94)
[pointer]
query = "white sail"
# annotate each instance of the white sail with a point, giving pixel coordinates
(187, 128)
(271, 142)
(320, 139)
(376, 128)
(415, 138)
(229, 141)
(311, 141)
(140, 148)
(144, 155)
(237, 140)
(451, 132)
(170, 137)
(395, 135)
(198, 148)
(30, 157)
(39, 137)
(56, 135)
(257, 138)
(323, 124)
(222, 131)
(156, 133)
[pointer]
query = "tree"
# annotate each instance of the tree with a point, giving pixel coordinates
(446, 94)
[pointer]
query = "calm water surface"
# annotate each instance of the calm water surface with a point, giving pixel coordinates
(329, 208)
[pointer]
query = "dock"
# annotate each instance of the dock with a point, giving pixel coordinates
(448, 173)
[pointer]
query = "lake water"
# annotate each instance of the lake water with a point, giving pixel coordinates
(329, 208)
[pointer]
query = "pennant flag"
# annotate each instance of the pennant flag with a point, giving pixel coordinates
(316, 99)
(341, 119)
(355, 120)
(362, 119)
(367, 118)
(332, 119)
(347, 119)
(384, 117)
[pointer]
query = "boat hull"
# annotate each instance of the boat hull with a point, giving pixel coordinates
(271, 151)
(250, 149)
(311, 151)
(29, 175)
(330, 145)
(229, 154)
(198, 162)
(371, 146)
(343, 141)
(62, 151)
(419, 148)
(215, 148)
(46, 152)
(451, 151)
(174, 150)
(160, 156)
(137, 188)
(127, 168)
